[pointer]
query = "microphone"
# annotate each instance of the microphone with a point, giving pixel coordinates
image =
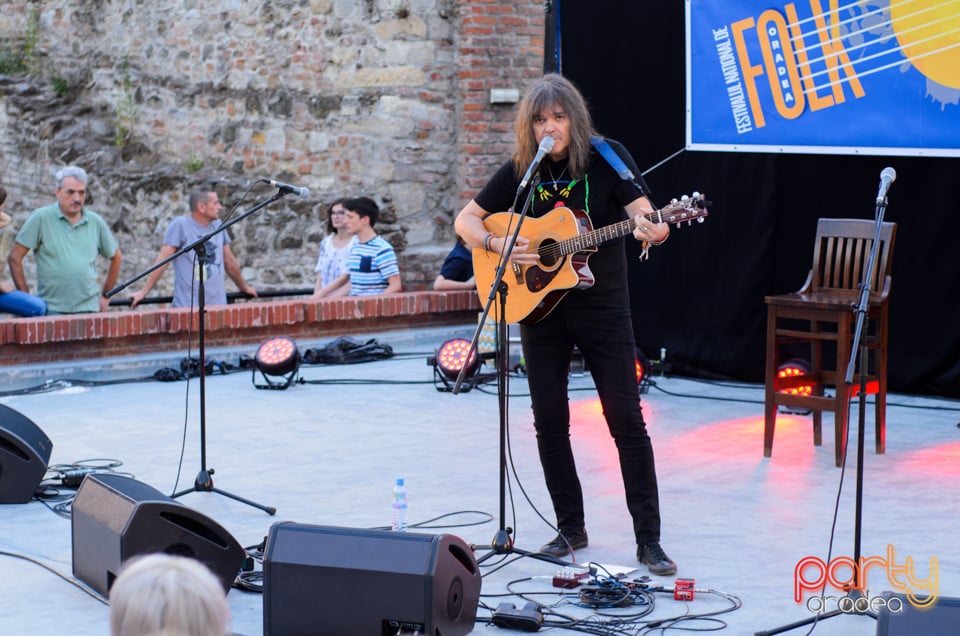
(290, 189)
(546, 145)
(887, 176)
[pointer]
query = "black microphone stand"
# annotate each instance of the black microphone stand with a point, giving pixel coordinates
(204, 480)
(857, 346)
(502, 542)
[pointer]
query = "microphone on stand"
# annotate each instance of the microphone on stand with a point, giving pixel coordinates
(546, 145)
(290, 189)
(887, 177)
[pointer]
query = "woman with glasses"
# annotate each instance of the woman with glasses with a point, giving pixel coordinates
(334, 250)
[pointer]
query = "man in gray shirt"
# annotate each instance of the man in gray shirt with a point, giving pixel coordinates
(218, 261)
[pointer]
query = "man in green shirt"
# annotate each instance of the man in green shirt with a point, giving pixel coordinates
(66, 238)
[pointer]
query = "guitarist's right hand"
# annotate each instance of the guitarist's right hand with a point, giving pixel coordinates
(470, 226)
(521, 254)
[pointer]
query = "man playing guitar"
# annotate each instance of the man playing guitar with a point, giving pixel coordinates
(594, 318)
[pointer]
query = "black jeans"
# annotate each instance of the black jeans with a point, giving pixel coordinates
(605, 339)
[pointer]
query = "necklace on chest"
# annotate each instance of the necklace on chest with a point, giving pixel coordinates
(556, 179)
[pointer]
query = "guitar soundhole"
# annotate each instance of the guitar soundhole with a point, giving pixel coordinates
(548, 256)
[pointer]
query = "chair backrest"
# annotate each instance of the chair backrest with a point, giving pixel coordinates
(841, 252)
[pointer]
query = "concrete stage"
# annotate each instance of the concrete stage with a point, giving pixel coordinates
(327, 451)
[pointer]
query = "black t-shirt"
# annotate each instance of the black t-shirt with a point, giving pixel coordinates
(601, 193)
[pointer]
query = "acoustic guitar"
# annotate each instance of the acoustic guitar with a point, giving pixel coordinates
(564, 238)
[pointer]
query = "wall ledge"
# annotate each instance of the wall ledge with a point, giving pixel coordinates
(141, 331)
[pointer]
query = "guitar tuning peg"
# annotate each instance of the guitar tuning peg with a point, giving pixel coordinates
(700, 220)
(684, 198)
(696, 195)
(673, 200)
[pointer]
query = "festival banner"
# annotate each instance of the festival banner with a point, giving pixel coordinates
(872, 77)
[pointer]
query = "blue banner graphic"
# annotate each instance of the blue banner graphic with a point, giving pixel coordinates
(873, 77)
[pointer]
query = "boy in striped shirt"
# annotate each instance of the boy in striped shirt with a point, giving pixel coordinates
(372, 262)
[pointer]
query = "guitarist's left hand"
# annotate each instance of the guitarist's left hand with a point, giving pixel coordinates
(653, 233)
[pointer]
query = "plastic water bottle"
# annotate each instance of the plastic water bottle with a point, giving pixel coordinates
(399, 506)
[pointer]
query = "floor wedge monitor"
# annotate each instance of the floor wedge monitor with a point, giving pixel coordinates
(24, 454)
(349, 582)
(116, 518)
(897, 616)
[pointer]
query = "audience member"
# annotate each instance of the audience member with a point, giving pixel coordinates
(66, 238)
(12, 300)
(457, 269)
(164, 594)
(372, 262)
(334, 250)
(219, 259)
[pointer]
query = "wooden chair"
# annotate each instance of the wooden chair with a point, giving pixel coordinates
(824, 311)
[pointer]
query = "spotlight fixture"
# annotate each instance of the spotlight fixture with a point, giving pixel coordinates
(276, 358)
(793, 378)
(452, 356)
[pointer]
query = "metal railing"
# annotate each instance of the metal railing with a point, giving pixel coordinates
(232, 297)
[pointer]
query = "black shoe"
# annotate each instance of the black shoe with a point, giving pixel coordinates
(656, 560)
(565, 542)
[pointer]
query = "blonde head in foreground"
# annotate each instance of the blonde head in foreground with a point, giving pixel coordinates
(166, 595)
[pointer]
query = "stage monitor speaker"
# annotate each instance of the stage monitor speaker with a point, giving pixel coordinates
(899, 618)
(115, 518)
(328, 580)
(24, 456)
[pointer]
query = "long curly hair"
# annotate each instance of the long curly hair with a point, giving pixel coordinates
(553, 91)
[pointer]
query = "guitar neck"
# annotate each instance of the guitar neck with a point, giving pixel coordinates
(601, 235)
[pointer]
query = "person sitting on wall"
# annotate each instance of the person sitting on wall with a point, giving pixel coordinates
(372, 262)
(66, 238)
(457, 269)
(12, 300)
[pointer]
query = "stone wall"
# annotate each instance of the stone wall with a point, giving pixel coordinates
(386, 98)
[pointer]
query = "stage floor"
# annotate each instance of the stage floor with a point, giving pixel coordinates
(327, 451)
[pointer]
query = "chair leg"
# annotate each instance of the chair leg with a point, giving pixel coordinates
(816, 368)
(769, 394)
(841, 404)
(769, 424)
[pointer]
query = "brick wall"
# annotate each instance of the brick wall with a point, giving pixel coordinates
(120, 333)
(501, 46)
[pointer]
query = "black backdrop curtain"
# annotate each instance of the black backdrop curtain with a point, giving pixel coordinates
(701, 294)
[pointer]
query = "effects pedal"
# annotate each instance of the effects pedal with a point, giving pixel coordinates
(683, 589)
(569, 578)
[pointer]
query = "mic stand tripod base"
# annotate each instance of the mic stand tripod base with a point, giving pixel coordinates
(204, 483)
(503, 544)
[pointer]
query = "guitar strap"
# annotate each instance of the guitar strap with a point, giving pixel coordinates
(624, 173)
(618, 164)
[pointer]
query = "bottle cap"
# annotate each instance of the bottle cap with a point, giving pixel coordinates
(399, 481)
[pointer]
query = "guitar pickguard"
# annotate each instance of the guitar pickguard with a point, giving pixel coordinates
(538, 279)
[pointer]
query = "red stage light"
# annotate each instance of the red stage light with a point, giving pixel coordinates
(276, 357)
(454, 355)
(791, 378)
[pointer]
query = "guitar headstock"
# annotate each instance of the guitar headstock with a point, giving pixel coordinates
(686, 208)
